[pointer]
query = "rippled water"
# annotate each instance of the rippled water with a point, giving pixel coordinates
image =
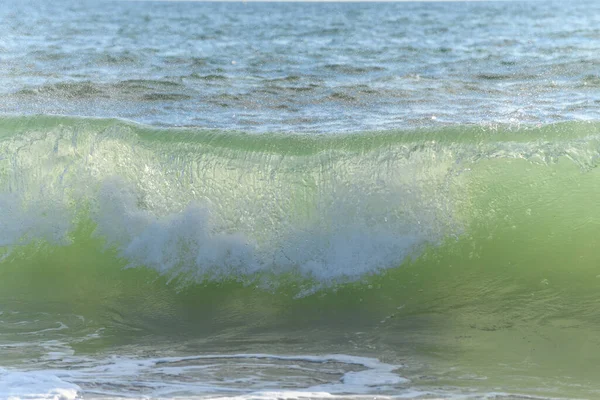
(302, 66)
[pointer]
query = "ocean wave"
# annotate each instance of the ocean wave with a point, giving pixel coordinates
(201, 206)
(439, 239)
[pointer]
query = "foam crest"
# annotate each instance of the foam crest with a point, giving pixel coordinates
(187, 242)
(35, 385)
(192, 243)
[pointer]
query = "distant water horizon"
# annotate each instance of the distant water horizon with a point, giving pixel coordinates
(303, 67)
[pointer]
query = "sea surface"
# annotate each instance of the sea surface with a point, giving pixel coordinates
(299, 200)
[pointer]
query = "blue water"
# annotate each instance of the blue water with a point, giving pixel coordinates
(302, 67)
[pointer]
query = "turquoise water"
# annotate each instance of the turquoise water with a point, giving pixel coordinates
(257, 201)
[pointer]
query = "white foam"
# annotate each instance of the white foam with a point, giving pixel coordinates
(208, 213)
(35, 385)
(225, 376)
(185, 242)
(377, 376)
(195, 243)
(203, 375)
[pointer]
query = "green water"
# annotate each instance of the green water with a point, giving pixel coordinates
(506, 302)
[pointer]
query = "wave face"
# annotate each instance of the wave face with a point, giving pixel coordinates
(457, 238)
(210, 206)
(213, 205)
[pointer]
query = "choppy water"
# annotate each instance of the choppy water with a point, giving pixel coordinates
(242, 200)
(302, 67)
